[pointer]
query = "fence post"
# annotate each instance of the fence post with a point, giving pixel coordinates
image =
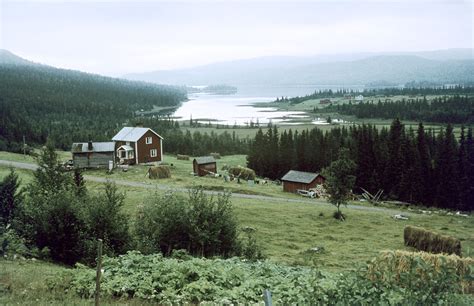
(267, 297)
(98, 272)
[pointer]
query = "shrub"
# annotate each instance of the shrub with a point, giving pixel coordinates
(425, 240)
(250, 248)
(201, 224)
(11, 244)
(242, 172)
(105, 220)
(159, 172)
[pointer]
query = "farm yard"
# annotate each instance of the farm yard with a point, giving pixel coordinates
(292, 236)
(286, 230)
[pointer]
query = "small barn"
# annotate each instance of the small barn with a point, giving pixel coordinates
(295, 180)
(92, 154)
(204, 165)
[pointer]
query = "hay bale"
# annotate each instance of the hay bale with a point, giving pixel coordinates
(159, 172)
(182, 157)
(242, 173)
(215, 155)
(425, 240)
(389, 267)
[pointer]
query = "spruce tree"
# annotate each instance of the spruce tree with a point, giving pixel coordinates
(447, 192)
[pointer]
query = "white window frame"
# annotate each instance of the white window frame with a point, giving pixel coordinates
(153, 153)
(149, 140)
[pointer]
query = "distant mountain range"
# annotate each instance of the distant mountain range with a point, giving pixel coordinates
(440, 67)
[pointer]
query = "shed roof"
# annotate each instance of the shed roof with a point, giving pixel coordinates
(83, 147)
(300, 176)
(132, 134)
(205, 160)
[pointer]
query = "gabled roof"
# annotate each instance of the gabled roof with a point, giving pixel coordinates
(132, 134)
(204, 160)
(125, 147)
(83, 147)
(300, 176)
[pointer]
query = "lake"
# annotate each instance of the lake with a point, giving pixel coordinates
(238, 109)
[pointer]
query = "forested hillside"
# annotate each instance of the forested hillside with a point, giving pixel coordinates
(38, 101)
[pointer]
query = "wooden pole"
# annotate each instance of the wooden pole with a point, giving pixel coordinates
(267, 297)
(98, 272)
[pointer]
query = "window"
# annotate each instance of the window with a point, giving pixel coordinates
(130, 154)
(122, 154)
(153, 153)
(148, 140)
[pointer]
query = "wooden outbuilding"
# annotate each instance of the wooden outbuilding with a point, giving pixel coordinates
(294, 180)
(138, 145)
(204, 165)
(92, 154)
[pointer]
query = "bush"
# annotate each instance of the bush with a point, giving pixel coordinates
(250, 248)
(424, 240)
(105, 220)
(242, 172)
(201, 224)
(12, 245)
(159, 172)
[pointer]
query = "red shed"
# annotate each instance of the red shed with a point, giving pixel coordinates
(295, 180)
(204, 165)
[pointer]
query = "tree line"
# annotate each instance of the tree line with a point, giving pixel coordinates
(409, 90)
(455, 109)
(426, 167)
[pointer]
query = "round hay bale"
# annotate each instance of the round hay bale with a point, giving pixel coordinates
(242, 173)
(159, 172)
(215, 155)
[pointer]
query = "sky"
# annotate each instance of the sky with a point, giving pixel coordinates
(118, 37)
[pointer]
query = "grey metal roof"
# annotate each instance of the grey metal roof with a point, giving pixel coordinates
(132, 134)
(126, 148)
(204, 160)
(83, 147)
(299, 176)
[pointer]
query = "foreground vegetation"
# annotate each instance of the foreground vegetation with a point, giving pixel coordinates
(393, 278)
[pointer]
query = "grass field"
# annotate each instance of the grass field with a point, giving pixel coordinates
(284, 230)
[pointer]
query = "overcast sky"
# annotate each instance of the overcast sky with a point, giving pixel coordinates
(118, 37)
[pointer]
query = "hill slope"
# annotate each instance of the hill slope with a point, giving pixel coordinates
(444, 66)
(40, 101)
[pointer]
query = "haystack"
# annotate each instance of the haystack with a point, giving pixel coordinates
(159, 172)
(182, 157)
(425, 240)
(242, 173)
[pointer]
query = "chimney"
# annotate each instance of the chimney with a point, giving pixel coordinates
(89, 145)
